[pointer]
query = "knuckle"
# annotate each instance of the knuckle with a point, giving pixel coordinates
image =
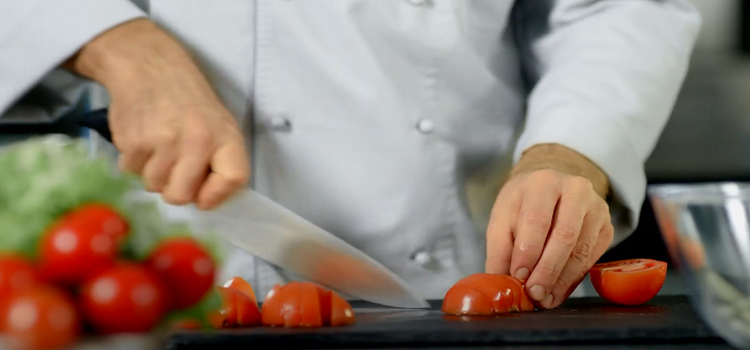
(579, 185)
(237, 179)
(199, 137)
(132, 146)
(166, 137)
(566, 235)
(601, 207)
(535, 220)
(545, 271)
(561, 285)
(545, 175)
(582, 252)
(608, 233)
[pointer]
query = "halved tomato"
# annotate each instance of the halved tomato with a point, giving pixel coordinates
(628, 282)
(486, 294)
(305, 304)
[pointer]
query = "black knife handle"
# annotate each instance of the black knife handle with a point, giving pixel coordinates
(97, 121)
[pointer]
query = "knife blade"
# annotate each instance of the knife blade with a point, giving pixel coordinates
(266, 229)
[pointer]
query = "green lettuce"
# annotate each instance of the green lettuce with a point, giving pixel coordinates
(43, 178)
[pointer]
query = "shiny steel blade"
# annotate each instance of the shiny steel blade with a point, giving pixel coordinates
(271, 232)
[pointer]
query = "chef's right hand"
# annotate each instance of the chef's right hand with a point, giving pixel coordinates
(167, 122)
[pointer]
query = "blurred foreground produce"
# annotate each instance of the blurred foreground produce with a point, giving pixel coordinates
(78, 256)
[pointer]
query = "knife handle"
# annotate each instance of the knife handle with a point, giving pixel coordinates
(97, 121)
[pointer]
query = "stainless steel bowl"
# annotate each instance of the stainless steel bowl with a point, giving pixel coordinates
(706, 228)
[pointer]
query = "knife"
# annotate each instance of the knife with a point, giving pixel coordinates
(263, 228)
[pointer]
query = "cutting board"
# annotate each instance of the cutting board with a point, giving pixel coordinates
(579, 321)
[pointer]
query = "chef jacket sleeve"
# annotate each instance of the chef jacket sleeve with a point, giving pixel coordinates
(604, 78)
(36, 36)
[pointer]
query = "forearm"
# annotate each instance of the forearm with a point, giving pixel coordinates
(139, 56)
(565, 160)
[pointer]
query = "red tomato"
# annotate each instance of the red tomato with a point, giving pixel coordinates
(238, 309)
(76, 247)
(239, 284)
(16, 274)
(305, 304)
(186, 269)
(41, 318)
(342, 313)
(104, 218)
(628, 282)
(486, 294)
(239, 305)
(124, 299)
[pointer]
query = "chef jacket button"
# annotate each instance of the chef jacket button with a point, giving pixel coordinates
(419, 2)
(280, 124)
(426, 126)
(422, 258)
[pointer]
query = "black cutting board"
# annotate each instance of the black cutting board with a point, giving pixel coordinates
(668, 319)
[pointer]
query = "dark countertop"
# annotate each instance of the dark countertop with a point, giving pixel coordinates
(667, 322)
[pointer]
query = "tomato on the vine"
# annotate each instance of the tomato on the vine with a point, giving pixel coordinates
(125, 298)
(188, 271)
(80, 244)
(628, 282)
(486, 294)
(41, 318)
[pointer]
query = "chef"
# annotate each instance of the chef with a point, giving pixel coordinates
(441, 137)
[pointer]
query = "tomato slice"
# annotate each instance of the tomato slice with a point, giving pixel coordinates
(239, 284)
(628, 282)
(305, 304)
(187, 270)
(272, 306)
(41, 318)
(124, 299)
(486, 294)
(342, 313)
(238, 309)
(465, 300)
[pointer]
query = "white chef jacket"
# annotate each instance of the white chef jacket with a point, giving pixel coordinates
(391, 122)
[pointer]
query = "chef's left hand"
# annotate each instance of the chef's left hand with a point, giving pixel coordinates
(550, 223)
